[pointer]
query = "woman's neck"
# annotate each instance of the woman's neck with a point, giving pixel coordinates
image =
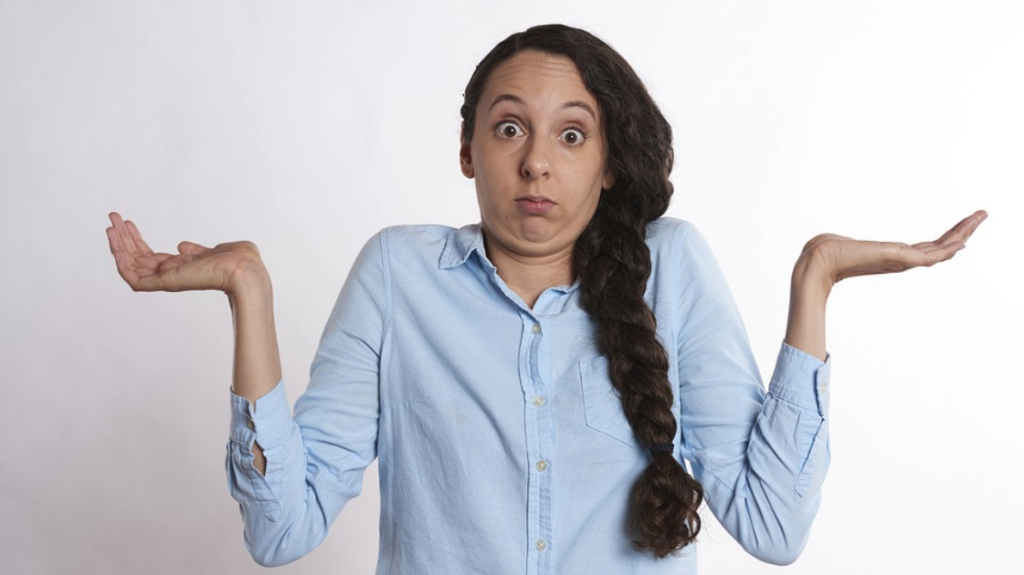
(529, 276)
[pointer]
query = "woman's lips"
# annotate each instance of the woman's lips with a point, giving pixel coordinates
(537, 206)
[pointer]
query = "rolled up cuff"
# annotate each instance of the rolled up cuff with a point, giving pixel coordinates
(802, 379)
(268, 420)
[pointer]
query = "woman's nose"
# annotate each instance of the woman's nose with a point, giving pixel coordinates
(536, 161)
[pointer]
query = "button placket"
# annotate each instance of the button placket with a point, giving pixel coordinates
(539, 437)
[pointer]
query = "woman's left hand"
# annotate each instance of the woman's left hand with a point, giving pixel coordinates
(829, 258)
(835, 258)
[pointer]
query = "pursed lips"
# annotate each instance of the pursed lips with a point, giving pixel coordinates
(535, 205)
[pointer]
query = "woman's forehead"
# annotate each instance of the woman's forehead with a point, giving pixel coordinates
(535, 78)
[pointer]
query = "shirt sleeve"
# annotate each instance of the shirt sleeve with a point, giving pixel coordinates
(316, 459)
(761, 458)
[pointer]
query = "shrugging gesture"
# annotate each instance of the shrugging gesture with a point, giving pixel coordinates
(570, 158)
(830, 258)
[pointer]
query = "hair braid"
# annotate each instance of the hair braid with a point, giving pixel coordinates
(614, 263)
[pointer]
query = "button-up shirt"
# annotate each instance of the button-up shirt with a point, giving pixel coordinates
(502, 444)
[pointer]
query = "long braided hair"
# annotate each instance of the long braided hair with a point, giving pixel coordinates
(613, 264)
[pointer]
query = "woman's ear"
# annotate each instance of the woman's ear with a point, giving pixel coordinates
(609, 179)
(466, 159)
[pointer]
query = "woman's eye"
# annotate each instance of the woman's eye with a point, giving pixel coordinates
(573, 136)
(509, 130)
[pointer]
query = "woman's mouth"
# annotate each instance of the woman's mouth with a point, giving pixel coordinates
(535, 206)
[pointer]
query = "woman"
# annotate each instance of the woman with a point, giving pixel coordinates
(531, 385)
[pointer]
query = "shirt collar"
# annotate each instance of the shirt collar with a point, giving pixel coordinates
(461, 243)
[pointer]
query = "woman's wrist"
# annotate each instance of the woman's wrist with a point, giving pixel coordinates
(812, 275)
(810, 287)
(249, 281)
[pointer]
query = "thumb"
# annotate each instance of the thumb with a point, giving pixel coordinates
(191, 249)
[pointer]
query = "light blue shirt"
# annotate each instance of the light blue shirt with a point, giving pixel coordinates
(502, 445)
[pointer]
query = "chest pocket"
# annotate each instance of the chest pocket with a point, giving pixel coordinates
(601, 402)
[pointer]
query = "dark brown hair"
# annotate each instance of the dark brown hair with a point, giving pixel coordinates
(613, 263)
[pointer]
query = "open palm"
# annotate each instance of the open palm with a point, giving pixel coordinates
(194, 267)
(844, 257)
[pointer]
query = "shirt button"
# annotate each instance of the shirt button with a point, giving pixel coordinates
(823, 387)
(538, 401)
(542, 465)
(541, 545)
(535, 329)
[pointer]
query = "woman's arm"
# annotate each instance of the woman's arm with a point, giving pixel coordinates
(314, 461)
(257, 361)
(762, 457)
(829, 258)
(234, 268)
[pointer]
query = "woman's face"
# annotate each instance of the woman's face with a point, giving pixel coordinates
(537, 155)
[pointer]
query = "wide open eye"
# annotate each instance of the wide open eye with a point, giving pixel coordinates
(508, 130)
(573, 136)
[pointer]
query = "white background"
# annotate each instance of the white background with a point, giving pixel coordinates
(306, 126)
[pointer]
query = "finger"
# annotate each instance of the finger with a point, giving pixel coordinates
(137, 238)
(953, 247)
(973, 221)
(121, 256)
(898, 257)
(125, 263)
(903, 257)
(127, 243)
(113, 240)
(129, 265)
(191, 248)
(964, 228)
(941, 253)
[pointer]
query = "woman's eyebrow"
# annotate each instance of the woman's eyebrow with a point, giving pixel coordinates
(506, 98)
(517, 100)
(580, 104)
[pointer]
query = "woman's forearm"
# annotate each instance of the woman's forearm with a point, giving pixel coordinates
(809, 290)
(257, 361)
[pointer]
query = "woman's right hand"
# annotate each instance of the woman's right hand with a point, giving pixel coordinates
(226, 267)
(234, 268)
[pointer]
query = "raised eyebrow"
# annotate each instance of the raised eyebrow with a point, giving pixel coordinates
(580, 104)
(517, 100)
(507, 98)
